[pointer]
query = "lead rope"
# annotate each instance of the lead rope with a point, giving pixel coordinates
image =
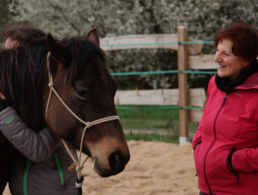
(79, 165)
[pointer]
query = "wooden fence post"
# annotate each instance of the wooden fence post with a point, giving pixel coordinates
(182, 85)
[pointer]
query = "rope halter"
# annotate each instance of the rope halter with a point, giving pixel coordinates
(79, 165)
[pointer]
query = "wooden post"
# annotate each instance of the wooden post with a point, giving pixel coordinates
(182, 85)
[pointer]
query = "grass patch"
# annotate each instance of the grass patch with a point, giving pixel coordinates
(155, 119)
(148, 117)
(152, 137)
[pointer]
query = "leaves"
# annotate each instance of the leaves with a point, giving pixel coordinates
(203, 19)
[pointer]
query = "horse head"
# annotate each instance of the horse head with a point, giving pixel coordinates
(81, 79)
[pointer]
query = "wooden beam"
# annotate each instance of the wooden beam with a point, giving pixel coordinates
(139, 41)
(202, 62)
(195, 115)
(159, 97)
(182, 82)
(146, 41)
(193, 49)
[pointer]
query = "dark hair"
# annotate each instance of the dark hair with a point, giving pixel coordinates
(244, 38)
(23, 34)
(23, 74)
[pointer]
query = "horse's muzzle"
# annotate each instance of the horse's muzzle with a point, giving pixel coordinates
(117, 162)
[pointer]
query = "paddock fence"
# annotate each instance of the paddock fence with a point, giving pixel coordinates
(190, 60)
(190, 102)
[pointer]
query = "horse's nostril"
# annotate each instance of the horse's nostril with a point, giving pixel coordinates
(116, 161)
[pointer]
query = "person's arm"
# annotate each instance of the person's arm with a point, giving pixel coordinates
(35, 146)
(197, 139)
(244, 160)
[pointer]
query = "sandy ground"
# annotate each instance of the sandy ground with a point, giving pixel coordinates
(155, 168)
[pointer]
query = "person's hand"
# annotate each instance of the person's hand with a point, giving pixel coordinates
(2, 96)
(3, 103)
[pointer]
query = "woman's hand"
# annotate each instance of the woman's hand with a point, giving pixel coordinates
(3, 103)
(2, 96)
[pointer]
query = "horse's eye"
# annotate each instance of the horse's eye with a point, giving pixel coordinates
(82, 94)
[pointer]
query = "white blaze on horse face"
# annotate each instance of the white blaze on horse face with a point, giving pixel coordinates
(9, 43)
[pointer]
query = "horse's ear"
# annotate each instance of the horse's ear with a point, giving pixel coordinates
(93, 36)
(60, 52)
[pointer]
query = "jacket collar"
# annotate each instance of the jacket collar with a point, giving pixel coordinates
(250, 83)
(246, 80)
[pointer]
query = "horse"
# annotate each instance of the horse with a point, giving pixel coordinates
(80, 77)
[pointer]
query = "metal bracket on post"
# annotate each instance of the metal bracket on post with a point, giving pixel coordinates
(183, 140)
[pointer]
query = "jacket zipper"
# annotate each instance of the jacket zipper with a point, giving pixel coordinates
(215, 137)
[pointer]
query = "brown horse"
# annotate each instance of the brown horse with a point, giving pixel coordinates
(84, 84)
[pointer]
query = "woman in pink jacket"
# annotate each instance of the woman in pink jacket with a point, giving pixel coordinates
(226, 141)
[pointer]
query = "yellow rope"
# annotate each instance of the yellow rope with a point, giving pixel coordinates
(79, 165)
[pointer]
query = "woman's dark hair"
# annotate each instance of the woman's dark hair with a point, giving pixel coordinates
(23, 34)
(244, 38)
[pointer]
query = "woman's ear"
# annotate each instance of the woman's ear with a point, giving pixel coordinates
(246, 63)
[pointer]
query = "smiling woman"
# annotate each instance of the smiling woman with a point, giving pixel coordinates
(236, 48)
(230, 65)
(225, 143)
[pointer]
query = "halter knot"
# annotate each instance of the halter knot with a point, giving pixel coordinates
(79, 168)
(88, 124)
(51, 84)
(78, 185)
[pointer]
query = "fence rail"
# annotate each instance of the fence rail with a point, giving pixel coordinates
(190, 61)
(153, 41)
(162, 72)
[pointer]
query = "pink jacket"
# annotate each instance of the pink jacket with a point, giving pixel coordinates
(229, 122)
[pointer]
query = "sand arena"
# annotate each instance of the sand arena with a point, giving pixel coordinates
(155, 168)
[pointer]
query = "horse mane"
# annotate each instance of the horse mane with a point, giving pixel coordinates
(23, 76)
(82, 51)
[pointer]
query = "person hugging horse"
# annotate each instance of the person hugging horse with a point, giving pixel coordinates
(63, 87)
(38, 167)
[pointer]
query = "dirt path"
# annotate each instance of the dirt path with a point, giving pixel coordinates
(155, 168)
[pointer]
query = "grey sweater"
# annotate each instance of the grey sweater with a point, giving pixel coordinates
(40, 153)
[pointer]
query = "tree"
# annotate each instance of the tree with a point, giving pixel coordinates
(4, 14)
(203, 19)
